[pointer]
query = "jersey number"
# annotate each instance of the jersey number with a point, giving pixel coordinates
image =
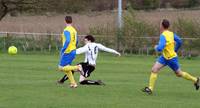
(95, 50)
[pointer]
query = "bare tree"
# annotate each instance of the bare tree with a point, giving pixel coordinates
(7, 6)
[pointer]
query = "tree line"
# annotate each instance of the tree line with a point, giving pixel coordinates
(74, 6)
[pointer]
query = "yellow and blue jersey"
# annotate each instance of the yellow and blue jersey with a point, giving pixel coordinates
(169, 44)
(69, 43)
(69, 39)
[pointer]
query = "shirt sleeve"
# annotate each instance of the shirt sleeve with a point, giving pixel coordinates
(103, 48)
(161, 44)
(178, 43)
(67, 41)
(81, 50)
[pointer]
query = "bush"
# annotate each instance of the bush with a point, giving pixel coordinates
(188, 29)
(130, 38)
(144, 4)
(134, 32)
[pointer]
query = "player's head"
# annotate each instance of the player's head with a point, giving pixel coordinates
(164, 25)
(89, 38)
(68, 19)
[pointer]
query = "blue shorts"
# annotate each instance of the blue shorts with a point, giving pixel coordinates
(172, 63)
(66, 59)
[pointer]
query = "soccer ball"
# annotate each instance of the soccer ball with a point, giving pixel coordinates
(12, 50)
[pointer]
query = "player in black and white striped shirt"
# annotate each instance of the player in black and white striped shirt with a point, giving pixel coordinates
(91, 50)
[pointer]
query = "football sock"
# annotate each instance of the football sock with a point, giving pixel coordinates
(152, 80)
(70, 76)
(90, 82)
(70, 68)
(187, 76)
(64, 78)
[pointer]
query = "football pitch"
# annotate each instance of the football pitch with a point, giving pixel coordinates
(29, 81)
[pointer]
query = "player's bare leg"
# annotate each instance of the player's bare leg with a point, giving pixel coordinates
(187, 76)
(154, 73)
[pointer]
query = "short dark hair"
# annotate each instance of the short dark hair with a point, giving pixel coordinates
(165, 24)
(68, 19)
(90, 38)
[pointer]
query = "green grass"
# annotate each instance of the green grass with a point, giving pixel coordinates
(29, 81)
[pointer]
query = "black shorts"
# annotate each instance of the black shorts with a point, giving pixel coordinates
(87, 69)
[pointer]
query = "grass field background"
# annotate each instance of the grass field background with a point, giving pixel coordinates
(29, 81)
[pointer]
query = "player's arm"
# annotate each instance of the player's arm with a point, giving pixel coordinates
(161, 44)
(178, 41)
(81, 50)
(67, 41)
(103, 48)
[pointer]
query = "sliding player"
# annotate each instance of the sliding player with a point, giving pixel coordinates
(91, 52)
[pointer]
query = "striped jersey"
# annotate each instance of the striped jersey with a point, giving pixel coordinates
(91, 51)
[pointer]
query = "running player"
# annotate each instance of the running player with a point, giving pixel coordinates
(169, 44)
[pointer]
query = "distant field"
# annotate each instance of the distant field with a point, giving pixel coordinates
(84, 21)
(29, 81)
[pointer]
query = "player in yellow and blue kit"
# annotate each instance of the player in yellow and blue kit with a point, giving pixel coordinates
(68, 51)
(169, 44)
